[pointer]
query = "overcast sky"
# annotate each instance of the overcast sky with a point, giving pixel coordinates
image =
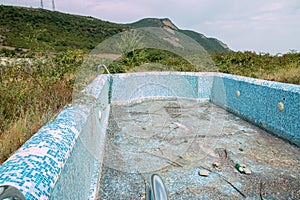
(258, 25)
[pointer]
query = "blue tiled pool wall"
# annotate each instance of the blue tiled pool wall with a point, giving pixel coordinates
(35, 167)
(79, 177)
(57, 159)
(257, 101)
(205, 83)
(130, 87)
(133, 86)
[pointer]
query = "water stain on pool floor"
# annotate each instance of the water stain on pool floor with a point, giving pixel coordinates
(176, 138)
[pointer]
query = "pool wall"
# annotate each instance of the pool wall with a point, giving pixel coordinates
(272, 106)
(63, 159)
(138, 86)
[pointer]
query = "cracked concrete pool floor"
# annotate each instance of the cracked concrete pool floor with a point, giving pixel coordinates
(175, 138)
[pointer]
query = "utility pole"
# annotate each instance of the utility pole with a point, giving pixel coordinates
(53, 5)
(42, 5)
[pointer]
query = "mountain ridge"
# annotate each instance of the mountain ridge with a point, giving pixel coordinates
(40, 29)
(209, 44)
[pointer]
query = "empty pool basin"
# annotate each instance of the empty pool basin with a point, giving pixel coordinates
(190, 128)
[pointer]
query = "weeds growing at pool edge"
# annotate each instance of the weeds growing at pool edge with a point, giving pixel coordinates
(282, 68)
(32, 94)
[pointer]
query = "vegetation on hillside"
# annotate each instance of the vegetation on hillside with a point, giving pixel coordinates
(150, 60)
(39, 29)
(282, 68)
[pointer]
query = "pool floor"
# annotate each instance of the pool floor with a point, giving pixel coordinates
(176, 138)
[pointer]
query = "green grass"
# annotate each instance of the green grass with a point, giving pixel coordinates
(39, 29)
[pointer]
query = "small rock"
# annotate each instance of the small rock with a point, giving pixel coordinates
(292, 175)
(247, 170)
(172, 125)
(243, 165)
(203, 172)
(216, 164)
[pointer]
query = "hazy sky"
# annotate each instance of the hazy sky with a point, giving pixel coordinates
(258, 25)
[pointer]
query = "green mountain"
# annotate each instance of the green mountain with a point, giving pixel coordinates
(44, 29)
(209, 44)
(40, 29)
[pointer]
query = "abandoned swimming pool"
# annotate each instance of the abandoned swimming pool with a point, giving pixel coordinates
(130, 126)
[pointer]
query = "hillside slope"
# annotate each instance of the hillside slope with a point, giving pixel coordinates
(44, 29)
(39, 29)
(210, 44)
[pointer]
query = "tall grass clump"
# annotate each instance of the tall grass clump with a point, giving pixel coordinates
(32, 93)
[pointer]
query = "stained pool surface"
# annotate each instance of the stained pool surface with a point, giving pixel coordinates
(176, 138)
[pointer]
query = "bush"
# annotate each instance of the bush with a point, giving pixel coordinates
(283, 68)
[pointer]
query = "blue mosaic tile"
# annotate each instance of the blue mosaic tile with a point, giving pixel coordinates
(38, 166)
(128, 87)
(258, 103)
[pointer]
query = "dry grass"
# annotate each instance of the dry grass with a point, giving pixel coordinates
(31, 96)
(290, 75)
(282, 68)
(17, 133)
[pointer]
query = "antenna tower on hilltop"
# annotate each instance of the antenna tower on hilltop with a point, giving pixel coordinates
(42, 5)
(53, 5)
